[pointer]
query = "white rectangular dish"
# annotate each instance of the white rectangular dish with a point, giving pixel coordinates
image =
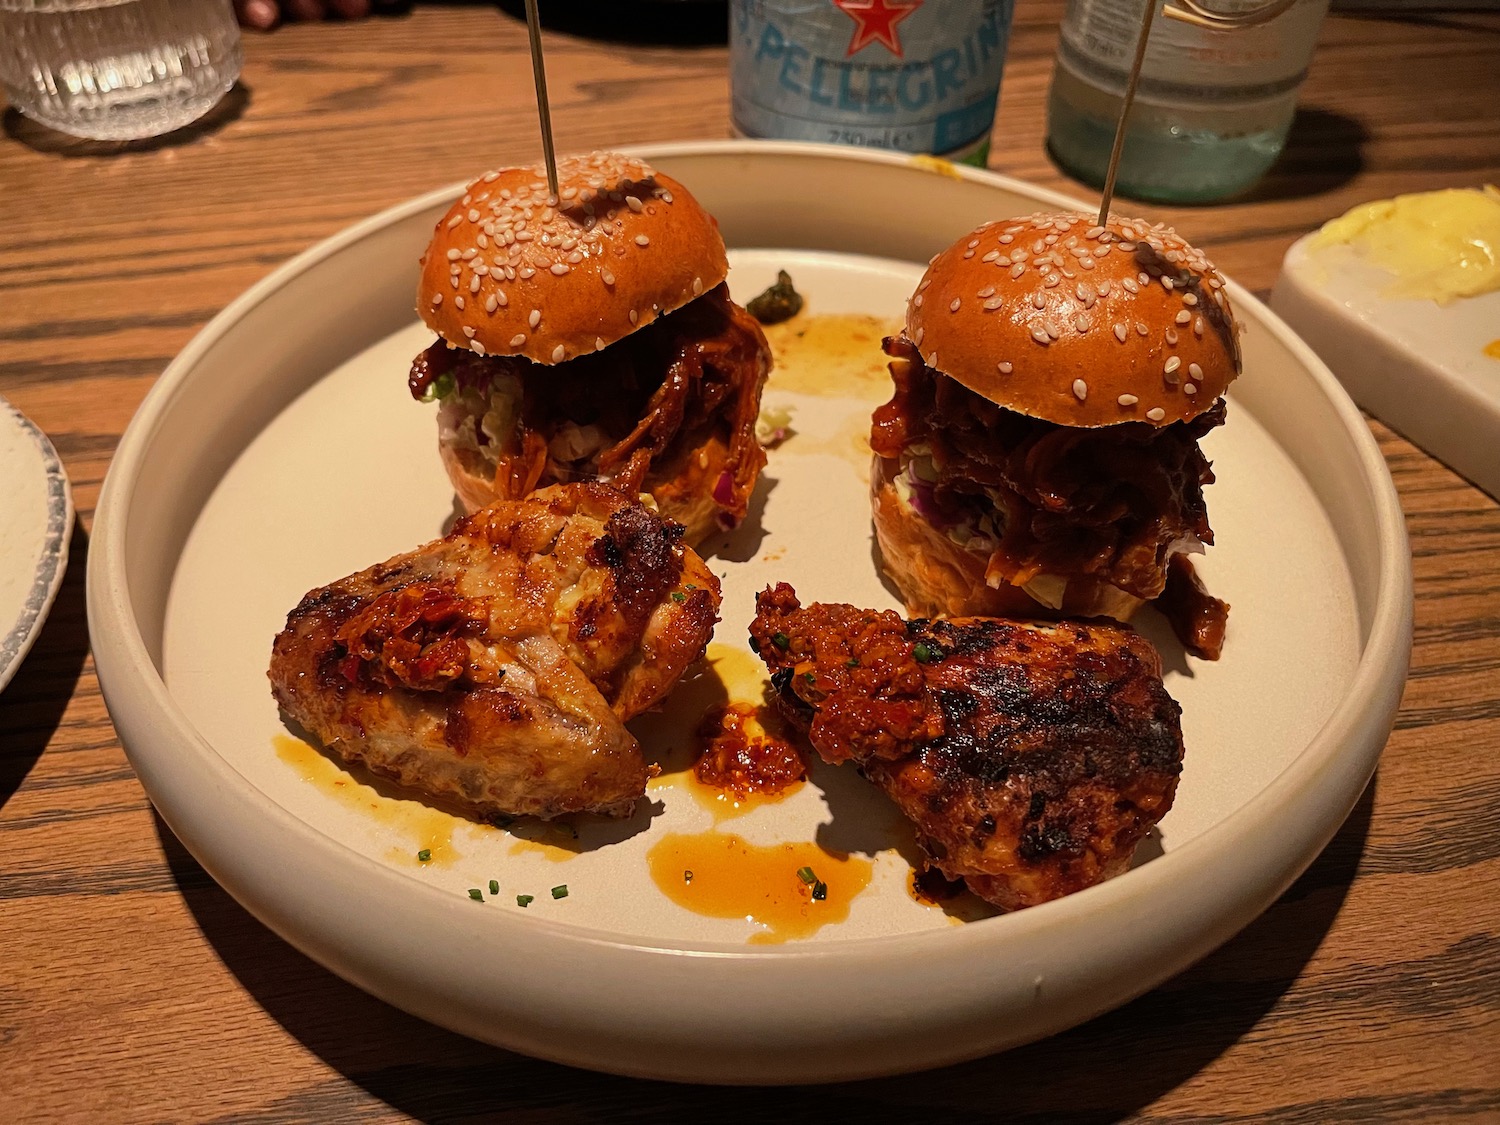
(281, 451)
(1430, 371)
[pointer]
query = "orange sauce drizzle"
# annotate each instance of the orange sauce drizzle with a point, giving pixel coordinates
(733, 878)
(430, 830)
(1492, 349)
(834, 355)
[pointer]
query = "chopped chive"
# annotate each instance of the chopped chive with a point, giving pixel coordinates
(525, 900)
(806, 875)
(852, 662)
(560, 892)
(820, 891)
(494, 886)
(687, 876)
(689, 586)
(424, 856)
(678, 596)
(925, 653)
(476, 894)
(809, 677)
(781, 640)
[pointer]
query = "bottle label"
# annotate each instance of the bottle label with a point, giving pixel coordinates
(1188, 63)
(915, 75)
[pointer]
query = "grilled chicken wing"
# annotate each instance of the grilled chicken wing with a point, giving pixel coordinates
(1032, 758)
(494, 668)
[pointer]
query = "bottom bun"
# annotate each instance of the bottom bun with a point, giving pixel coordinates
(937, 577)
(474, 480)
(685, 497)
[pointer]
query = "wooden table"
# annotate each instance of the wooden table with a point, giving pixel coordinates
(133, 988)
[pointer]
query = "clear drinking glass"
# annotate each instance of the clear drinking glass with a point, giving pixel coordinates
(117, 69)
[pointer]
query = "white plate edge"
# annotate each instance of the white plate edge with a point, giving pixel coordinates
(52, 565)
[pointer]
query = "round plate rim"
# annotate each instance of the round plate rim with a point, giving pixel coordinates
(1315, 791)
(52, 561)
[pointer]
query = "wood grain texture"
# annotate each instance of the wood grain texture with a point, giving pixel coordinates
(133, 989)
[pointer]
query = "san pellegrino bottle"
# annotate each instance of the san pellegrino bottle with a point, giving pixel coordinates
(1213, 106)
(919, 76)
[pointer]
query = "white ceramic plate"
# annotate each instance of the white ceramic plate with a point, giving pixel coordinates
(280, 451)
(36, 515)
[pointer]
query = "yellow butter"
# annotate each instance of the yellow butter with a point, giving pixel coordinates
(1439, 245)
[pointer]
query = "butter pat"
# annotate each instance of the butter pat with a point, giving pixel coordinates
(1401, 298)
(1437, 245)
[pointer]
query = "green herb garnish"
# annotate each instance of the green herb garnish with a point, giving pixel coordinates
(926, 653)
(476, 894)
(806, 875)
(424, 856)
(560, 892)
(779, 302)
(852, 663)
(525, 900)
(781, 641)
(494, 886)
(809, 677)
(678, 596)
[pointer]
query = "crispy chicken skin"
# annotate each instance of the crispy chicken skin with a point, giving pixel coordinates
(493, 669)
(1032, 757)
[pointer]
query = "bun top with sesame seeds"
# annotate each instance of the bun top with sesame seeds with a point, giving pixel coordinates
(511, 270)
(1057, 318)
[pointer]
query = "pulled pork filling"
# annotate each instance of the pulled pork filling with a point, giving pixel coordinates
(1045, 501)
(630, 414)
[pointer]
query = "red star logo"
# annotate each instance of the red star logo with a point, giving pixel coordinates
(875, 21)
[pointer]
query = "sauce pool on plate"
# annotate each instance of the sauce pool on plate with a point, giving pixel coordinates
(430, 830)
(723, 875)
(834, 355)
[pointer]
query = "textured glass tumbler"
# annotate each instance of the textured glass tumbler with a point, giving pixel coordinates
(117, 69)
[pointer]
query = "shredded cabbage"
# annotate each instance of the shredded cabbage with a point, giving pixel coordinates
(481, 420)
(773, 426)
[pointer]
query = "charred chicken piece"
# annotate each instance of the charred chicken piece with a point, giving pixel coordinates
(1032, 757)
(493, 669)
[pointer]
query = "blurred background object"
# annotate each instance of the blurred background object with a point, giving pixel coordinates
(900, 74)
(117, 69)
(1213, 108)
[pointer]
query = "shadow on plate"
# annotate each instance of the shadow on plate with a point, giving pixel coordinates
(743, 543)
(39, 137)
(32, 704)
(1102, 1071)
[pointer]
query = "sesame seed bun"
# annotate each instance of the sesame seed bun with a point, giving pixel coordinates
(938, 577)
(512, 271)
(1057, 318)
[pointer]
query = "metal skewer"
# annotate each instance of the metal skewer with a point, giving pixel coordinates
(1185, 11)
(539, 76)
(1130, 85)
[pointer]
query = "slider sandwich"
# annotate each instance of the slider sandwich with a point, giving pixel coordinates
(590, 336)
(1040, 456)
